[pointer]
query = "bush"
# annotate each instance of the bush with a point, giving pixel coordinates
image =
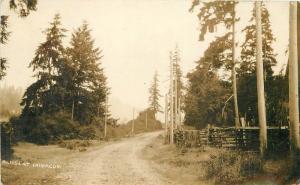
(229, 167)
(6, 133)
(50, 128)
(75, 144)
(87, 132)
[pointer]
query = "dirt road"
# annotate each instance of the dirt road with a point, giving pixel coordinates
(117, 163)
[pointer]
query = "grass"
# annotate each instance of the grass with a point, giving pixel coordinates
(41, 155)
(197, 166)
(80, 145)
(184, 166)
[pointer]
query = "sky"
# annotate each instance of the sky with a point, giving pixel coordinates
(135, 36)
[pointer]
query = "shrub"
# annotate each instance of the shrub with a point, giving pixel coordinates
(50, 128)
(6, 133)
(229, 167)
(87, 132)
(75, 144)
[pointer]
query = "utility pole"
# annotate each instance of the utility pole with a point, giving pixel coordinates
(179, 112)
(293, 80)
(166, 116)
(105, 116)
(260, 82)
(171, 100)
(146, 118)
(72, 113)
(236, 109)
(175, 94)
(132, 125)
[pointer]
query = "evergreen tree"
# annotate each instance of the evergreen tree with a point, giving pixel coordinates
(206, 93)
(178, 71)
(212, 14)
(48, 63)
(249, 46)
(247, 72)
(88, 82)
(4, 34)
(154, 95)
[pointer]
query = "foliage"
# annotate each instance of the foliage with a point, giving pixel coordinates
(6, 141)
(10, 101)
(213, 13)
(275, 85)
(229, 167)
(43, 95)
(207, 92)
(205, 98)
(86, 87)
(4, 34)
(217, 55)
(23, 7)
(51, 128)
(69, 79)
(248, 57)
(75, 144)
(87, 132)
(154, 95)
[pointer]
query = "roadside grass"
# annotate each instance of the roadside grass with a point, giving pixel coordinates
(80, 145)
(35, 156)
(208, 166)
(184, 166)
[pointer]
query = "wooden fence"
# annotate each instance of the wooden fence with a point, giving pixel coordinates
(245, 139)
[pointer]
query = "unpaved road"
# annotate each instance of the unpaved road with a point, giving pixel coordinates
(117, 163)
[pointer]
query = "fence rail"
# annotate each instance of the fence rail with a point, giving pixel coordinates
(245, 138)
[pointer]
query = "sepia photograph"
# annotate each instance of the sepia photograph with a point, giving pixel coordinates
(149, 92)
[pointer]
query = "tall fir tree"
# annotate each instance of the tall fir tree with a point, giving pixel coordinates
(48, 65)
(88, 82)
(155, 95)
(249, 46)
(247, 72)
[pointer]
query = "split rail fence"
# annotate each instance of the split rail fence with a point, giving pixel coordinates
(244, 138)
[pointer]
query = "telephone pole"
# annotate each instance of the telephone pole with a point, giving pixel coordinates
(260, 83)
(175, 94)
(166, 116)
(146, 118)
(179, 112)
(234, 88)
(132, 125)
(105, 116)
(171, 100)
(293, 80)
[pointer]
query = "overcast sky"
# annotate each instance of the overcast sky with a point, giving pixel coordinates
(135, 36)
